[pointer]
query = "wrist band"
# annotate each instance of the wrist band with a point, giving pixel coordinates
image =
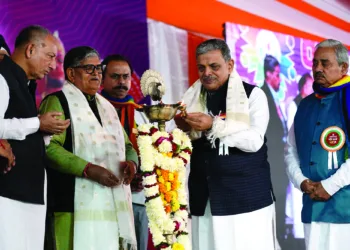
(86, 169)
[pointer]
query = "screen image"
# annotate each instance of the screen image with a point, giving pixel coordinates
(281, 65)
(113, 27)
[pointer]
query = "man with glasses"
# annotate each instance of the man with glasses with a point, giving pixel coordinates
(116, 86)
(22, 187)
(91, 165)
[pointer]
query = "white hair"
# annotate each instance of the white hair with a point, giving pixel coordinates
(341, 51)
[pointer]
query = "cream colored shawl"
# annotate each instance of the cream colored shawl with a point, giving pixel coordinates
(102, 215)
(237, 108)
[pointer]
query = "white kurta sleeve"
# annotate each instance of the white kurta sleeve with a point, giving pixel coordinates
(16, 129)
(338, 180)
(294, 172)
(291, 111)
(251, 140)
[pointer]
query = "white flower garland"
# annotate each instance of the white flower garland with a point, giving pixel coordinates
(168, 152)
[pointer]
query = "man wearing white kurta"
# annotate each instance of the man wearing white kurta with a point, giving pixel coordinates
(231, 198)
(318, 145)
(23, 187)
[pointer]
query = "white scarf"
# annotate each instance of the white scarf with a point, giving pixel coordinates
(237, 109)
(102, 215)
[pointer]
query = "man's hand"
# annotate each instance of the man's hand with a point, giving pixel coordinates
(307, 186)
(6, 152)
(103, 176)
(128, 169)
(51, 124)
(199, 121)
(136, 183)
(319, 193)
(181, 123)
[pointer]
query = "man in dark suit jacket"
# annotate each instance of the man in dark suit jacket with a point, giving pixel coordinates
(275, 133)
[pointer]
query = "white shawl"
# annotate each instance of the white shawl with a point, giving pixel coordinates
(237, 109)
(102, 215)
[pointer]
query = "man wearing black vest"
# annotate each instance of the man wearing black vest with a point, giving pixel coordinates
(230, 191)
(22, 189)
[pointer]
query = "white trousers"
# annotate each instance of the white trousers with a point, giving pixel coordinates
(327, 236)
(22, 225)
(294, 204)
(247, 231)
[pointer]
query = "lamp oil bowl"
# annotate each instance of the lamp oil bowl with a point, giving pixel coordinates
(161, 112)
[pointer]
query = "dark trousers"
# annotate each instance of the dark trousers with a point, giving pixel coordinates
(141, 226)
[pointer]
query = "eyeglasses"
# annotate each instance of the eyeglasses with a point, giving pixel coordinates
(90, 68)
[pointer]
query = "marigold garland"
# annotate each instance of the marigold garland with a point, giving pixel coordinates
(163, 162)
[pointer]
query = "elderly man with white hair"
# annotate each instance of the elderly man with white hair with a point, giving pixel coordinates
(318, 146)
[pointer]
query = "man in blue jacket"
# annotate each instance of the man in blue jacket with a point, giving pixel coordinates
(318, 150)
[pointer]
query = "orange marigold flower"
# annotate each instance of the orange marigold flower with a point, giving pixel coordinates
(175, 185)
(162, 188)
(173, 194)
(165, 175)
(168, 209)
(168, 196)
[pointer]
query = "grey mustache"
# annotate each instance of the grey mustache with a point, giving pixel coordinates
(319, 74)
